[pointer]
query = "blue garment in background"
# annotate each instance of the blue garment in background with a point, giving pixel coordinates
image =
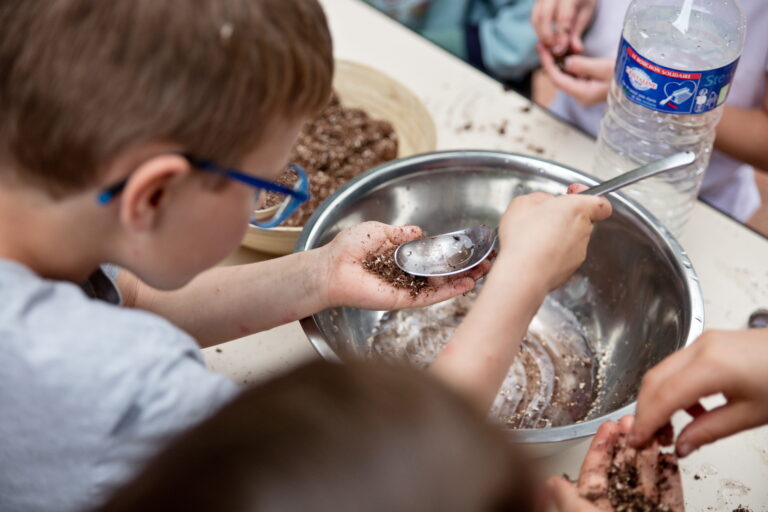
(493, 35)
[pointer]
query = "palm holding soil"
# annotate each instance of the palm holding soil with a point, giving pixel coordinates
(616, 476)
(349, 284)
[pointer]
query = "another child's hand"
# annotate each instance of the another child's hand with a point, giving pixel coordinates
(587, 79)
(729, 362)
(561, 23)
(591, 492)
(349, 284)
(593, 477)
(549, 235)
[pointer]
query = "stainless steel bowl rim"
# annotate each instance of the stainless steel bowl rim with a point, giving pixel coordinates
(558, 172)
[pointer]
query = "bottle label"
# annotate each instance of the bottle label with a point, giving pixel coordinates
(669, 90)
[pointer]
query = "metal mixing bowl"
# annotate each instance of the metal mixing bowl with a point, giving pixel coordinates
(637, 296)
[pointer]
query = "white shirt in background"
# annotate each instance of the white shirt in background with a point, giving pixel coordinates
(728, 184)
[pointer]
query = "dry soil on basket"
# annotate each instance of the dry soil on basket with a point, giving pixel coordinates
(339, 144)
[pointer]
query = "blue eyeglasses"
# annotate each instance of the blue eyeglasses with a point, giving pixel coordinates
(286, 202)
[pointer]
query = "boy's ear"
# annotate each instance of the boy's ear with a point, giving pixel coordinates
(148, 190)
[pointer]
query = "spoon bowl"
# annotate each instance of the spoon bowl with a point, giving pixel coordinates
(452, 253)
(447, 254)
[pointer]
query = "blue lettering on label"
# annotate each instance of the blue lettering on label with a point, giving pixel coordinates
(669, 90)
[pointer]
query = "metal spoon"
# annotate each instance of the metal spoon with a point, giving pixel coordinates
(452, 253)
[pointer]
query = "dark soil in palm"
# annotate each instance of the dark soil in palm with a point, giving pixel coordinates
(624, 486)
(383, 265)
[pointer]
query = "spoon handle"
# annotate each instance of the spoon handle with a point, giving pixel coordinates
(628, 178)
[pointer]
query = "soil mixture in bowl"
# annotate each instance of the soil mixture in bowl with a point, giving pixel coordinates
(555, 380)
(341, 143)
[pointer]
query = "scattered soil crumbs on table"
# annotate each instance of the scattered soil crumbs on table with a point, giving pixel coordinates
(742, 508)
(626, 491)
(383, 265)
(341, 143)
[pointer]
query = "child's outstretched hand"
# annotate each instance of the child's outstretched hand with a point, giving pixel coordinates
(656, 474)
(549, 235)
(728, 362)
(593, 477)
(349, 284)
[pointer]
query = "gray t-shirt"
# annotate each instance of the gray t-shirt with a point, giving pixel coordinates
(88, 390)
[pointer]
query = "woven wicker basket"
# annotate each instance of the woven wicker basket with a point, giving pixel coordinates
(383, 98)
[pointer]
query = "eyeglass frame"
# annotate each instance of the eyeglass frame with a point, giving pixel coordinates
(299, 194)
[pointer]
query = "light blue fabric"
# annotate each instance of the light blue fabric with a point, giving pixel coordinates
(507, 39)
(88, 391)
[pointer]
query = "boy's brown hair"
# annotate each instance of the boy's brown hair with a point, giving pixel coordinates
(82, 80)
(338, 438)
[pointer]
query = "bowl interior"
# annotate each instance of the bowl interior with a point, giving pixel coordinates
(636, 296)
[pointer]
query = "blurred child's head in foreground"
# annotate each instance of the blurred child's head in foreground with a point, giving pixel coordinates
(337, 438)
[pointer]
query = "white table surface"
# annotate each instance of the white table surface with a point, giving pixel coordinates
(731, 261)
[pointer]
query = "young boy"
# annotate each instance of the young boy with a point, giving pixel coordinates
(122, 122)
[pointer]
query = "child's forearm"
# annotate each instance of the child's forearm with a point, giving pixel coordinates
(229, 302)
(478, 357)
(742, 134)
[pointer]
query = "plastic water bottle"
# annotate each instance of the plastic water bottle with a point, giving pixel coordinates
(675, 65)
